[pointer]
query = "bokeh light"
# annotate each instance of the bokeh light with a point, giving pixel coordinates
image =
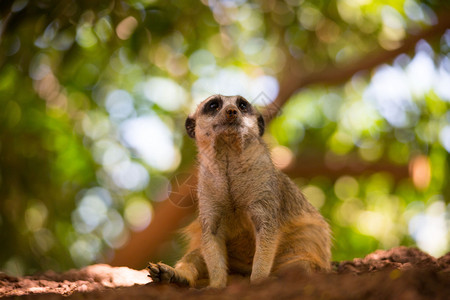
(152, 140)
(431, 228)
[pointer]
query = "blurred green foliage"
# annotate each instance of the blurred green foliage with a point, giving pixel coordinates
(93, 97)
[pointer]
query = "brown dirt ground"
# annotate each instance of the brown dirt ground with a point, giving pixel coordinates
(399, 273)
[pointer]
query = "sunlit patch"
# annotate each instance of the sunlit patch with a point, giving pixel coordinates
(421, 71)
(420, 170)
(347, 213)
(372, 223)
(35, 216)
(108, 152)
(391, 17)
(165, 92)
(95, 125)
(130, 175)
(442, 82)
(248, 18)
(390, 93)
(202, 63)
(86, 37)
(309, 17)
(288, 130)
(282, 156)
(346, 187)
(152, 141)
(380, 226)
(126, 27)
(430, 229)
(103, 28)
(370, 150)
(91, 212)
(119, 276)
(331, 105)
(113, 230)
(341, 142)
(14, 266)
(445, 41)
(393, 30)
(379, 184)
(315, 195)
(413, 10)
(64, 40)
(138, 213)
(85, 249)
(44, 240)
(328, 31)
(119, 104)
(261, 90)
(39, 67)
(444, 137)
(159, 188)
(305, 109)
(49, 34)
(347, 11)
(120, 61)
(428, 131)
(358, 117)
(228, 81)
(252, 46)
(18, 5)
(95, 214)
(177, 65)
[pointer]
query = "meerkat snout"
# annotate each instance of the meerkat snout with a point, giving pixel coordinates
(231, 112)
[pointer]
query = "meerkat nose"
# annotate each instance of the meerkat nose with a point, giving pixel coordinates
(231, 112)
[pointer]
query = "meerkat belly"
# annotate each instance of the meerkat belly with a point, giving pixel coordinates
(240, 243)
(242, 192)
(240, 252)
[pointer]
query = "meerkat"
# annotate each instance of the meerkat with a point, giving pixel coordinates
(252, 219)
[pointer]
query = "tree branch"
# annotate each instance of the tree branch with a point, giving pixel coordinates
(333, 74)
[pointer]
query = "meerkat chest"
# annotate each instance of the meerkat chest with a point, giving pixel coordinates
(230, 184)
(236, 221)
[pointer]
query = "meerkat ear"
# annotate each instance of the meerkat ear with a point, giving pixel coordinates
(261, 125)
(190, 126)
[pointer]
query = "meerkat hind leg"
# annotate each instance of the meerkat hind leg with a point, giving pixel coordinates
(298, 263)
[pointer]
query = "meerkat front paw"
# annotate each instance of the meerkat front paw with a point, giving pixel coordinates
(160, 272)
(166, 274)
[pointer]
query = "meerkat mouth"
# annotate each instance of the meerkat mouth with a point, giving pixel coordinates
(228, 124)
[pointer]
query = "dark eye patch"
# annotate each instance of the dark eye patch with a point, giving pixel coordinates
(212, 106)
(243, 105)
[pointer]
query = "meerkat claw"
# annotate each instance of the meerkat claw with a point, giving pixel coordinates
(160, 272)
(165, 274)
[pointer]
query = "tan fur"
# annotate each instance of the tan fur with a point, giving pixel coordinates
(252, 220)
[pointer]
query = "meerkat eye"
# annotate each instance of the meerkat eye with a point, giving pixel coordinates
(242, 105)
(213, 105)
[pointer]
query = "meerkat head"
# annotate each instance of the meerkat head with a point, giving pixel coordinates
(221, 115)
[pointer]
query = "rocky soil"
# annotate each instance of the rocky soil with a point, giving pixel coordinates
(399, 273)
